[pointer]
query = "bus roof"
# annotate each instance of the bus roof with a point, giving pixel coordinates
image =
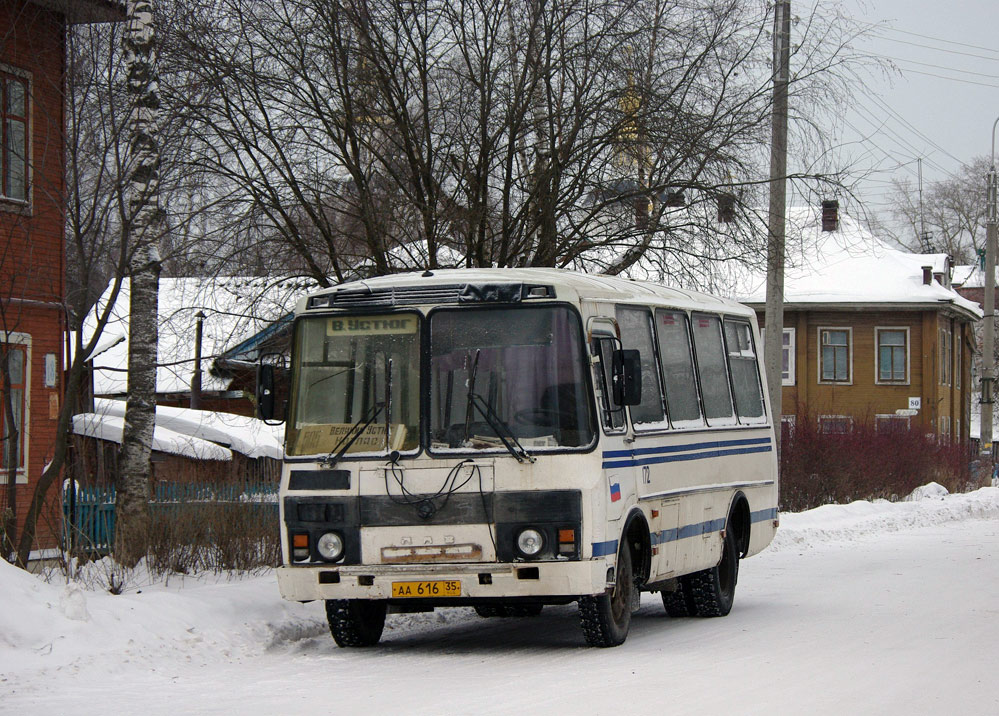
(486, 285)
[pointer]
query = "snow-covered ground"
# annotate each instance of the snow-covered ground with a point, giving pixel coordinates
(862, 608)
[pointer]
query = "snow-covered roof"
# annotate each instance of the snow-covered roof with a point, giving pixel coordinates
(234, 307)
(848, 267)
(111, 427)
(248, 436)
(969, 276)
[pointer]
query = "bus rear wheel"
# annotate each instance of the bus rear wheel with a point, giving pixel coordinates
(355, 622)
(606, 618)
(711, 592)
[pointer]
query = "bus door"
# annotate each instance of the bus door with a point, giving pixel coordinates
(616, 459)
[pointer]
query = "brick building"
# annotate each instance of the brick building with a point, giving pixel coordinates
(32, 265)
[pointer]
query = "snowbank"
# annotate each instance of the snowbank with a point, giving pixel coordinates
(860, 520)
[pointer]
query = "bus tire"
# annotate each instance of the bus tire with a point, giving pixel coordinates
(606, 618)
(677, 602)
(355, 622)
(712, 591)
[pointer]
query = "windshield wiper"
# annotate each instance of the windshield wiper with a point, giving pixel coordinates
(509, 440)
(351, 436)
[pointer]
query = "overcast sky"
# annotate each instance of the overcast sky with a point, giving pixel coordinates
(942, 101)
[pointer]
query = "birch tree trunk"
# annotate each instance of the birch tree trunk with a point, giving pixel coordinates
(144, 227)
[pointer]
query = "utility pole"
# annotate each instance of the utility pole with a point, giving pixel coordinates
(988, 349)
(774, 314)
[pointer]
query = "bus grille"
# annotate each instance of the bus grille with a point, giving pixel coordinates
(397, 296)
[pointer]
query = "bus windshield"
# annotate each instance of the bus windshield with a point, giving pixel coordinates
(497, 373)
(355, 385)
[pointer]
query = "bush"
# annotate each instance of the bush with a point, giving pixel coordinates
(864, 464)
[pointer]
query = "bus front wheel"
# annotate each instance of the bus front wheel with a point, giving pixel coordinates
(606, 618)
(355, 622)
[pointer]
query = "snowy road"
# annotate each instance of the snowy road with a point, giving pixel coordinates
(847, 616)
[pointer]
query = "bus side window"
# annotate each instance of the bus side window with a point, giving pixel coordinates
(675, 350)
(612, 414)
(712, 370)
(745, 373)
(636, 332)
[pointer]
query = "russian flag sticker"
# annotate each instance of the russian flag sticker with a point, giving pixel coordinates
(615, 492)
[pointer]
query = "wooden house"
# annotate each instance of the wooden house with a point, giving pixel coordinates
(871, 334)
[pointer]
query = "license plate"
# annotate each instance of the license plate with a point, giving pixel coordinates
(439, 588)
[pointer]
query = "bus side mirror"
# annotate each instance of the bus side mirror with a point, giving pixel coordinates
(265, 392)
(267, 379)
(626, 367)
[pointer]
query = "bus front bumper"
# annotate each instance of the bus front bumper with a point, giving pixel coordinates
(477, 581)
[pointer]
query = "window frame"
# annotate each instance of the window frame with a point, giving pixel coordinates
(755, 359)
(946, 338)
(690, 424)
(791, 350)
(720, 421)
(656, 368)
(23, 342)
(849, 355)
(829, 418)
(887, 419)
(878, 330)
(13, 74)
(599, 329)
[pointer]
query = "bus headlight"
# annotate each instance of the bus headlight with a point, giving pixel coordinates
(330, 546)
(530, 542)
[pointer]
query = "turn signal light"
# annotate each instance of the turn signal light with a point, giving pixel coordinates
(300, 546)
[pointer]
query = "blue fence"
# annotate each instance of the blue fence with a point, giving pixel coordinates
(89, 512)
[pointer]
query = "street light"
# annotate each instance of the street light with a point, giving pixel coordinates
(988, 352)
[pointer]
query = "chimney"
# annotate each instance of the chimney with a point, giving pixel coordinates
(726, 208)
(927, 275)
(830, 215)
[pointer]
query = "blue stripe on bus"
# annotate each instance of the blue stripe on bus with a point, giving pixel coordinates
(602, 549)
(704, 455)
(680, 448)
(763, 515)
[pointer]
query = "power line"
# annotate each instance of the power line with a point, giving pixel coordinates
(889, 28)
(886, 107)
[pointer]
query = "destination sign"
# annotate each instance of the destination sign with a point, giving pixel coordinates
(371, 325)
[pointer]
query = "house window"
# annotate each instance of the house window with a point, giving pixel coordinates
(834, 355)
(893, 355)
(835, 424)
(891, 423)
(945, 429)
(946, 354)
(787, 424)
(14, 403)
(957, 363)
(957, 430)
(14, 132)
(787, 357)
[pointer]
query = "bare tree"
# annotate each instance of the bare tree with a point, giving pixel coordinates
(951, 218)
(372, 135)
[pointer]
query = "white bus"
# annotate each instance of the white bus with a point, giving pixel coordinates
(507, 439)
